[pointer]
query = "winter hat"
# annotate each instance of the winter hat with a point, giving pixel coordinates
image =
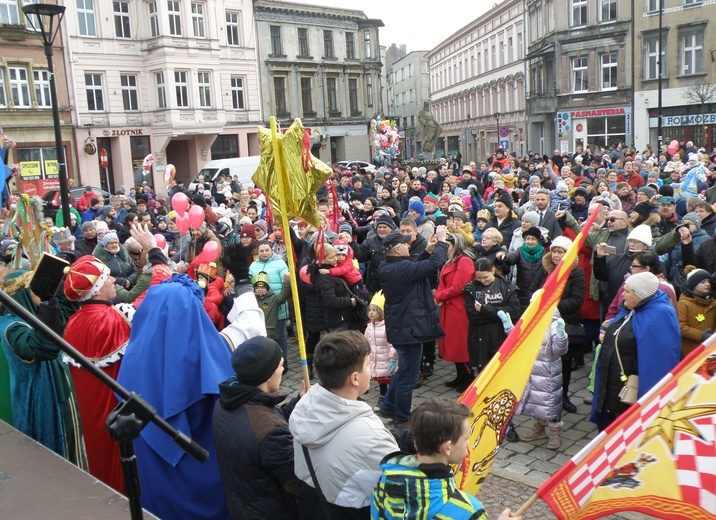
(581, 191)
(644, 284)
(431, 197)
(6, 244)
(506, 200)
(695, 277)
(601, 171)
(561, 186)
(133, 246)
(385, 219)
(354, 195)
(532, 217)
(261, 223)
(417, 206)
(108, 237)
(692, 217)
(532, 232)
(649, 192)
(85, 278)
(561, 242)
(341, 246)
(445, 197)
(248, 230)
(693, 157)
(535, 178)
(94, 201)
(642, 233)
(345, 227)
(643, 209)
(255, 360)
(461, 215)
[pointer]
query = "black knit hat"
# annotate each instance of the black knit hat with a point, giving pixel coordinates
(532, 232)
(506, 199)
(255, 360)
(643, 209)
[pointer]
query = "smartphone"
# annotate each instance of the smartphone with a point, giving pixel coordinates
(610, 250)
(49, 273)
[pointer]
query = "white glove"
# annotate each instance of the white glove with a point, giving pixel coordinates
(506, 320)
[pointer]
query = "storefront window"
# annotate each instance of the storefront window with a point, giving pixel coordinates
(140, 148)
(604, 131)
(37, 163)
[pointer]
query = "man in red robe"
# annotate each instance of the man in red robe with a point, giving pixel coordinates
(100, 331)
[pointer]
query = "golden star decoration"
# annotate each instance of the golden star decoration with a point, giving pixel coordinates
(302, 186)
(676, 417)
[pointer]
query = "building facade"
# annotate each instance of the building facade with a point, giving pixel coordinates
(688, 85)
(174, 78)
(321, 64)
(25, 104)
(477, 85)
(580, 83)
(409, 86)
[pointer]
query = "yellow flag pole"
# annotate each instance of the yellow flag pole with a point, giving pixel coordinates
(282, 177)
(526, 505)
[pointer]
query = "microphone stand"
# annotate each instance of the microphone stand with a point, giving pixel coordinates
(126, 421)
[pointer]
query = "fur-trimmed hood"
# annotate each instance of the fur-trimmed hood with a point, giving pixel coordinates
(549, 265)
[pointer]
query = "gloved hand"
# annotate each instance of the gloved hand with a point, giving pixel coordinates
(706, 334)
(237, 260)
(559, 329)
(49, 313)
(506, 320)
(392, 367)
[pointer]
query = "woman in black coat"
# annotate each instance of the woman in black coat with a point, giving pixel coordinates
(338, 301)
(484, 297)
(313, 315)
(568, 307)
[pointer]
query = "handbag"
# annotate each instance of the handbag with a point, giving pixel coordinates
(576, 333)
(359, 313)
(630, 392)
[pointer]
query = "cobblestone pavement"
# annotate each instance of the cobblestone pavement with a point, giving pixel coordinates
(521, 467)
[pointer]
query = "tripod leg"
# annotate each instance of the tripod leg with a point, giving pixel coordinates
(131, 479)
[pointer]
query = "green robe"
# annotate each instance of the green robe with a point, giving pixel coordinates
(44, 404)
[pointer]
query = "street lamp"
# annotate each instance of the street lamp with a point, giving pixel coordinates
(46, 19)
(497, 117)
(659, 138)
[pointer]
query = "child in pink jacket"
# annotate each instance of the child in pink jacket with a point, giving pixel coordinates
(383, 357)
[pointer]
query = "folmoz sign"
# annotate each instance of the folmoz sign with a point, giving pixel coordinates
(706, 119)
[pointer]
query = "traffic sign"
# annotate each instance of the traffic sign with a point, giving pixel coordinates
(505, 143)
(103, 158)
(504, 131)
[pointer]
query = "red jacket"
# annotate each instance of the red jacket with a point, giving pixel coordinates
(453, 316)
(635, 180)
(347, 270)
(86, 201)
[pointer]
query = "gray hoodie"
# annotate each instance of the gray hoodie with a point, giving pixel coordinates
(346, 442)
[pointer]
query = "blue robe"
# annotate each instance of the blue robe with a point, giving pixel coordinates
(175, 360)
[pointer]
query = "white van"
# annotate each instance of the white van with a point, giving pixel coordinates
(243, 167)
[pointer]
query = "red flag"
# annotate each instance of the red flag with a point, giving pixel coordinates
(658, 458)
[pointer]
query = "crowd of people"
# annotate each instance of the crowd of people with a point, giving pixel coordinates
(406, 264)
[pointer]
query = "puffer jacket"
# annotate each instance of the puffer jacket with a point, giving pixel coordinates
(254, 448)
(275, 268)
(695, 316)
(314, 319)
(543, 395)
(336, 298)
(121, 266)
(526, 272)
(382, 353)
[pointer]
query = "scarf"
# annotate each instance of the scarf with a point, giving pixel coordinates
(532, 253)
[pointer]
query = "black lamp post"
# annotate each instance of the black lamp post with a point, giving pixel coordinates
(659, 137)
(49, 18)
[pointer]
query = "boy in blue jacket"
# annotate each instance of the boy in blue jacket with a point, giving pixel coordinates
(441, 428)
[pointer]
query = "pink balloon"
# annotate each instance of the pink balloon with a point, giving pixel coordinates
(672, 148)
(161, 241)
(196, 216)
(182, 222)
(180, 203)
(674, 143)
(211, 251)
(303, 273)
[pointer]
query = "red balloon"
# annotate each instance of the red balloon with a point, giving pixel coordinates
(196, 216)
(182, 222)
(211, 251)
(161, 241)
(180, 203)
(303, 273)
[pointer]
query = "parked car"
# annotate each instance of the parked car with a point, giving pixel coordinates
(360, 164)
(51, 199)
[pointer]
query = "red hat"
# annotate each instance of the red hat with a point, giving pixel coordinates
(430, 198)
(256, 192)
(248, 230)
(85, 278)
(445, 197)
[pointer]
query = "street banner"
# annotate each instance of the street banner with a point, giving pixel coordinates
(494, 395)
(658, 458)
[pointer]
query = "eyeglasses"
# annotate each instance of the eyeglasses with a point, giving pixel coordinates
(637, 266)
(614, 219)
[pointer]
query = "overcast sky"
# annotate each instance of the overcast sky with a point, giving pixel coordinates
(420, 25)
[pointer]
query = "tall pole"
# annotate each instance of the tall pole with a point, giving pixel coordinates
(497, 118)
(59, 149)
(660, 138)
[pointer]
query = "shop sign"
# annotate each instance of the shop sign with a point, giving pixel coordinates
(690, 120)
(123, 131)
(599, 112)
(30, 170)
